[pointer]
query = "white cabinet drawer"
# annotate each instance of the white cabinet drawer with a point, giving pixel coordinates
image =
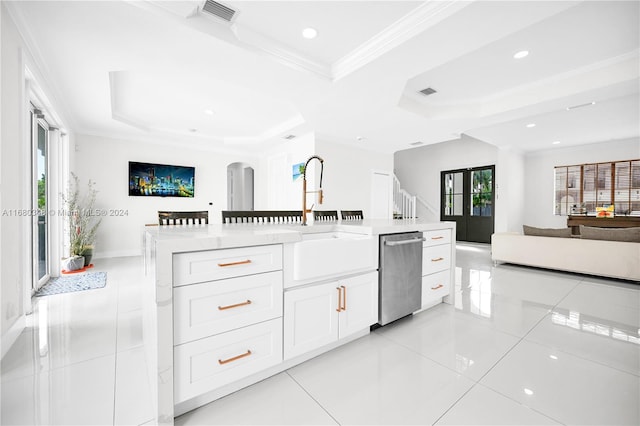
(434, 238)
(210, 363)
(201, 266)
(435, 287)
(204, 309)
(436, 258)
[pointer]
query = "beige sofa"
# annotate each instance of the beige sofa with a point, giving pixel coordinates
(616, 259)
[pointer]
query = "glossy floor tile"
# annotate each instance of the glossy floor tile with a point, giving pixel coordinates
(518, 346)
(451, 339)
(483, 406)
(375, 381)
(566, 388)
(278, 400)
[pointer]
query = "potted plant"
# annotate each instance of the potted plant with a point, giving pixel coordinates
(83, 221)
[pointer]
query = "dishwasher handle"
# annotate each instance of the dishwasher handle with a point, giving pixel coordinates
(403, 242)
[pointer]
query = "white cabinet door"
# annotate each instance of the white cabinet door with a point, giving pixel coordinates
(360, 303)
(310, 318)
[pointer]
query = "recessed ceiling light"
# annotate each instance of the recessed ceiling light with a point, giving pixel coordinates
(208, 111)
(528, 391)
(309, 33)
(555, 142)
(553, 357)
(521, 54)
(530, 125)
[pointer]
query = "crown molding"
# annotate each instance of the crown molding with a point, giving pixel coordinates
(407, 27)
(33, 58)
(261, 43)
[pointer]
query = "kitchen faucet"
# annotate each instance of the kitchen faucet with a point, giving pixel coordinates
(304, 188)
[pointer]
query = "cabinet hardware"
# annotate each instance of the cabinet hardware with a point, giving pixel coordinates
(437, 287)
(339, 299)
(437, 238)
(222, 308)
(344, 298)
(437, 259)
(235, 358)
(403, 242)
(242, 262)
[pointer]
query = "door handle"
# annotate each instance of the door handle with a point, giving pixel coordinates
(339, 299)
(403, 242)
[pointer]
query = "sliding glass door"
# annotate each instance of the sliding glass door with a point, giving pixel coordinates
(40, 198)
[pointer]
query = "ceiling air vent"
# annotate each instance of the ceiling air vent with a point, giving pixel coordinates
(218, 10)
(289, 137)
(428, 91)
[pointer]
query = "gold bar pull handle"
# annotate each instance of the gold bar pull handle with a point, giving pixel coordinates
(235, 358)
(344, 298)
(339, 299)
(242, 262)
(437, 259)
(437, 238)
(437, 287)
(222, 308)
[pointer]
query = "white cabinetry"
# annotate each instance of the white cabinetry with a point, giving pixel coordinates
(227, 316)
(436, 266)
(319, 314)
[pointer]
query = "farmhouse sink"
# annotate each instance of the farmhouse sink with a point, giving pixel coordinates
(327, 254)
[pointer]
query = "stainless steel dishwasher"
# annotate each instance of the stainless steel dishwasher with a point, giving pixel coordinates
(400, 276)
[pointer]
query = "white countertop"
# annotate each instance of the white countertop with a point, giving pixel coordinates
(208, 237)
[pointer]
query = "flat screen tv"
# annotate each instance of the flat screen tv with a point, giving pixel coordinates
(160, 180)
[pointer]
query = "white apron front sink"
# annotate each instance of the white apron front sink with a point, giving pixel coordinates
(333, 253)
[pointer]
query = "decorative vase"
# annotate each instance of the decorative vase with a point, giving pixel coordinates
(74, 263)
(87, 252)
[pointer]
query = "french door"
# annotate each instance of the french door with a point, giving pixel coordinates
(40, 198)
(468, 198)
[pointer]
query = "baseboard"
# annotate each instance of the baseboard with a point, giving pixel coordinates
(10, 337)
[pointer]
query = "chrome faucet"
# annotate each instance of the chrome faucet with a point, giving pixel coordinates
(304, 188)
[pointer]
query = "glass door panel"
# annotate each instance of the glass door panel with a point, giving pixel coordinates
(39, 202)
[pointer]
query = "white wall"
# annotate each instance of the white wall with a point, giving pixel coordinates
(510, 193)
(275, 187)
(106, 161)
(539, 184)
(348, 174)
(418, 170)
(16, 273)
(15, 229)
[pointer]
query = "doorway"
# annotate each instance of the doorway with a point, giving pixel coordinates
(239, 186)
(468, 198)
(40, 198)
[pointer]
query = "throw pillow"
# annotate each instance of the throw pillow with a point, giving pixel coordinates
(547, 232)
(611, 234)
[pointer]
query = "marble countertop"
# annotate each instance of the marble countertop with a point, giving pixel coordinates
(215, 236)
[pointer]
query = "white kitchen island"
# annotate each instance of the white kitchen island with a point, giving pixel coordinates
(230, 305)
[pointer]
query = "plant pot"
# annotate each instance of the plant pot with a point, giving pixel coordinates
(87, 252)
(74, 263)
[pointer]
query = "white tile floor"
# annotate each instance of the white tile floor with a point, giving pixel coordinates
(520, 346)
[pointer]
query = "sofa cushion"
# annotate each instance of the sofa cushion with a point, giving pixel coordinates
(631, 235)
(547, 232)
